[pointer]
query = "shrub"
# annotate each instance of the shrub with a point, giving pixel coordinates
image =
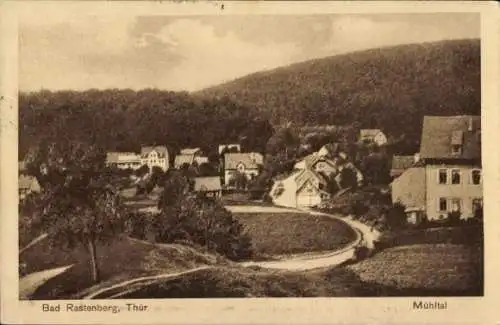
(454, 218)
(396, 217)
(361, 252)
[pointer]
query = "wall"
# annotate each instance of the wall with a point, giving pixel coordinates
(409, 188)
(466, 191)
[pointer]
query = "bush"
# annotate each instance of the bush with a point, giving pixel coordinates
(361, 252)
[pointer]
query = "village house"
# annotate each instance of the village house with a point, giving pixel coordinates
(209, 186)
(123, 160)
(303, 188)
(27, 184)
(402, 163)
(155, 156)
(375, 136)
(448, 175)
(150, 156)
(307, 186)
(189, 156)
(247, 163)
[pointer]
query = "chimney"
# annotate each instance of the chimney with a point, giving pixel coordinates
(470, 124)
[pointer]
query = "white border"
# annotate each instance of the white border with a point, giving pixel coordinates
(253, 311)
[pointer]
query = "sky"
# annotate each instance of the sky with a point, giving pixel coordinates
(194, 52)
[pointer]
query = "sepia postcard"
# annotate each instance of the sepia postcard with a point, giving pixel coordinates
(234, 162)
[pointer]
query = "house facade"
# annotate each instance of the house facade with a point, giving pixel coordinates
(449, 169)
(302, 189)
(245, 163)
(372, 136)
(123, 160)
(155, 156)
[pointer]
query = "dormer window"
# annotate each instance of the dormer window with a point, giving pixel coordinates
(456, 142)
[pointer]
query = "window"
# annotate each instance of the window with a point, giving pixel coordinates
(477, 205)
(443, 206)
(456, 204)
(476, 176)
(443, 176)
(456, 149)
(455, 176)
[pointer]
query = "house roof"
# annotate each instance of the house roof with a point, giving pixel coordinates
(439, 133)
(306, 175)
(112, 157)
(183, 159)
(251, 160)
(26, 181)
(189, 151)
(162, 150)
(402, 162)
(368, 133)
(207, 184)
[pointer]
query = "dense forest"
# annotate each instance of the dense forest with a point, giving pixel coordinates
(124, 120)
(390, 88)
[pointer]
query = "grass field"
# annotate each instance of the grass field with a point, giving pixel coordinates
(291, 233)
(237, 282)
(122, 259)
(425, 269)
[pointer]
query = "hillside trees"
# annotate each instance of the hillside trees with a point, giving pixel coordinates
(125, 120)
(78, 205)
(390, 88)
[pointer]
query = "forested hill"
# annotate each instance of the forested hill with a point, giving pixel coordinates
(389, 88)
(125, 120)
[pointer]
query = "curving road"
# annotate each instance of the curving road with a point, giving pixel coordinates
(299, 262)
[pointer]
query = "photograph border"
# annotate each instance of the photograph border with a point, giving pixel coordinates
(254, 310)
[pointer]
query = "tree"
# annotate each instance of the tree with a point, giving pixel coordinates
(348, 178)
(205, 222)
(396, 217)
(239, 180)
(80, 205)
(142, 171)
(177, 185)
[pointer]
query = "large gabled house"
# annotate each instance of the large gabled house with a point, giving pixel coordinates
(448, 175)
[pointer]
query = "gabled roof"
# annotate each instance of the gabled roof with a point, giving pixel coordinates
(114, 157)
(439, 133)
(307, 175)
(162, 150)
(207, 184)
(26, 181)
(183, 159)
(402, 162)
(251, 160)
(189, 151)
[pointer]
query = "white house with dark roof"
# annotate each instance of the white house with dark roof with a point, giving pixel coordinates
(448, 175)
(155, 156)
(375, 136)
(247, 163)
